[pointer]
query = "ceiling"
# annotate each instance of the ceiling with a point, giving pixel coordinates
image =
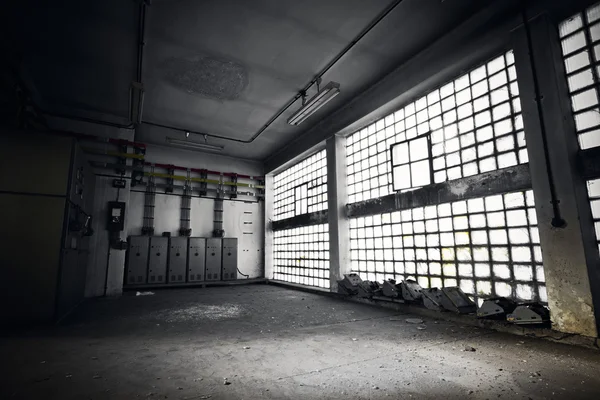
(223, 67)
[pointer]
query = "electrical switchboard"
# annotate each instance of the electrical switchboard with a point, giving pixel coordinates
(177, 259)
(157, 259)
(230, 250)
(213, 259)
(137, 260)
(196, 259)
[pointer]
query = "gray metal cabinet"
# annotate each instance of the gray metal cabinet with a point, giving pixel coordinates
(230, 259)
(157, 259)
(137, 260)
(178, 250)
(196, 259)
(213, 259)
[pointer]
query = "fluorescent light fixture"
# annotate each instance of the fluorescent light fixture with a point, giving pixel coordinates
(194, 145)
(322, 97)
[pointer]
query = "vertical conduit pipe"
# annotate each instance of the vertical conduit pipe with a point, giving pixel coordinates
(186, 207)
(149, 204)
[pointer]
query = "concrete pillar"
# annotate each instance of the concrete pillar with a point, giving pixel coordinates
(339, 233)
(269, 202)
(569, 250)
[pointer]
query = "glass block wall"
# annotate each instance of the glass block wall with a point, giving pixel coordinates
(302, 188)
(301, 255)
(594, 193)
(580, 42)
(487, 246)
(473, 125)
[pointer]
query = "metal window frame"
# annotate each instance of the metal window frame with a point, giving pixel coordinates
(410, 162)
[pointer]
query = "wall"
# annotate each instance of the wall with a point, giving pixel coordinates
(238, 216)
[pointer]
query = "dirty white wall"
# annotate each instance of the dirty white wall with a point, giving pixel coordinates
(242, 220)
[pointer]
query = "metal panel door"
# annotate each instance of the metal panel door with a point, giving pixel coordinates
(213, 259)
(137, 260)
(230, 250)
(196, 259)
(177, 259)
(157, 259)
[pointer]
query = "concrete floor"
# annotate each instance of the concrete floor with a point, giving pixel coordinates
(275, 343)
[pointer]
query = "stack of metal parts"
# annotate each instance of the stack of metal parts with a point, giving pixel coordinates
(496, 308)
(445, 299)
(368, 289)
(432, 299)
(529, 313)
(391, 289)
(349, 285)
(411, 291)
(455, 300)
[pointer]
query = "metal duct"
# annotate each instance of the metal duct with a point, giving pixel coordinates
(218, 219)
(149, 204)
(186, 208)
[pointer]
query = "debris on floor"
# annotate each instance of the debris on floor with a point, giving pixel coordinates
(226, 382)
(144, 293)
(469, 348)
(96, 377)
(414, 320)
(421, 327)
(246, 347)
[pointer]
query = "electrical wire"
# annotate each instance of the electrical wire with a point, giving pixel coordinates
(240, 272)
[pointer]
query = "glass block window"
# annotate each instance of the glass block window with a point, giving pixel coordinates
(411, 163)
(301, 255)
(302, 188)
(474, 124)
(594, 193)
(487, 246)
(580, 42)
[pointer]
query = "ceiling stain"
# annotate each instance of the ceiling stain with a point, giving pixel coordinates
(206, 76)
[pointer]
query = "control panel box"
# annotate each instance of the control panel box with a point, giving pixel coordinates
(137, 260)
(157, 259)
(196, 259)
(230, 259)
(213, 259)
(178, 249)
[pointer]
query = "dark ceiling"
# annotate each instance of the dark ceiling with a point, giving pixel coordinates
(223, 67)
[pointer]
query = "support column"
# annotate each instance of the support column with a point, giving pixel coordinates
(339, 233)
(268, 204)
(564, 218)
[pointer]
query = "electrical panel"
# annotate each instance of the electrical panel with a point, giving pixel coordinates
(157, 259)
(196, 259)
(178, 248)
(137, 260)
(230, 259)
(213, 259)
(116, 216)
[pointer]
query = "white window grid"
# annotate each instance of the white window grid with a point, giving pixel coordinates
(474, 124)
(580, 42)
(594, 195)
(302, 188)
(487, 246)
(301, 255)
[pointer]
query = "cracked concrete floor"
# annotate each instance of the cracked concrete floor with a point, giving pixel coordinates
(276, 343)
